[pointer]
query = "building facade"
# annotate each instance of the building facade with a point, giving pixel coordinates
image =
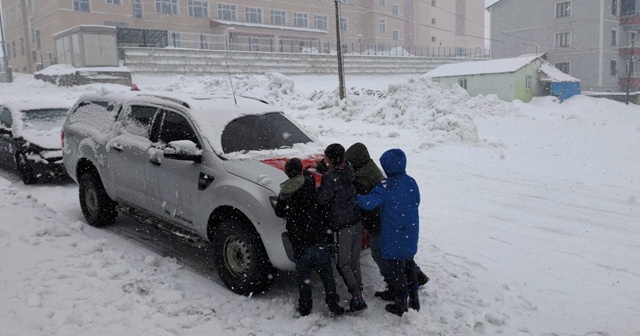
(255, 25)
(588, 39)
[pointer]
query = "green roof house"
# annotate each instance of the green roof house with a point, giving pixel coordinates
(520, 78)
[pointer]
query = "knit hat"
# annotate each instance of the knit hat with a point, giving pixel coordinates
(293, 167)
(335, 153)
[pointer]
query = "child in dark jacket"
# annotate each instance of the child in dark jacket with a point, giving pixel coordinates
(399, 198)
(297, 204)
(338, 193)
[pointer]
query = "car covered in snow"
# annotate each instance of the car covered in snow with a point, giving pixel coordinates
(30, 138)
(207, 167)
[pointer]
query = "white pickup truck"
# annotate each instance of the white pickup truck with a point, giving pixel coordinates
(210, 167)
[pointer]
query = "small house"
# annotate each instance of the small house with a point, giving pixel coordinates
(520, 78)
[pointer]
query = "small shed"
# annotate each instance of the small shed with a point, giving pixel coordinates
(509, 78)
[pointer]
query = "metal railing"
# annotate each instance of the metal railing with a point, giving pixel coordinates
(257, 43)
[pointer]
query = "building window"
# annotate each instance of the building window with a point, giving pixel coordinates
(114, 2)
(395, 9)
(301, 20)
(13, 45)
(198, 9)
(34, 56)
(396, 35)
(278, 17)
(563, 9)
(562, 40)
(8, 50)
(564, 67)
(614, 37)
(462, 82)
(614, 7)
(21, 46)
(433, 21)
(382, 2)
(613, 67)
(320, 22)
(383, 25)
(81, 6)
(631, 37)
(433, 2)
(527, 82)
(137, 9)
(433, 39)
(38, 44)
(344, 24)
(32, 33)
(169, 7)
(253, 15)
(227, 12)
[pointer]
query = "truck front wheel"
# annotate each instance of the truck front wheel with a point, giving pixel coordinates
(98, 209)
(241, 259)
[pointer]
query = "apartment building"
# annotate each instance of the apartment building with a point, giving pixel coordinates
(256, 25)
(591, 40)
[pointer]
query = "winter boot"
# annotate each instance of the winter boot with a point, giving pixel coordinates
(334, 308)
(304, 307)
(414, 300)
(422, 278)
(386, 295)
(357, 305)
(398, 308)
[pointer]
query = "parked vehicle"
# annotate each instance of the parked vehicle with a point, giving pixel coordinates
(30, 139)
(202, 166)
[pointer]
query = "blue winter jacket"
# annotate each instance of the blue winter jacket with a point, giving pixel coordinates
(400, 198)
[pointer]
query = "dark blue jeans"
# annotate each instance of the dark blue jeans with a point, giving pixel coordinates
(316, 258)
(402, 277)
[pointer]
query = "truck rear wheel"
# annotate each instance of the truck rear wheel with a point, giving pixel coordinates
(241, 259)
(98, 209)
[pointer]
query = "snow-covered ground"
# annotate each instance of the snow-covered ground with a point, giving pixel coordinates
(529, 223)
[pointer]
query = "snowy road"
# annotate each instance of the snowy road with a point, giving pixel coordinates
(532, 229)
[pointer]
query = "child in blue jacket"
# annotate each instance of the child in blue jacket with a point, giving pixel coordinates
(399, 198)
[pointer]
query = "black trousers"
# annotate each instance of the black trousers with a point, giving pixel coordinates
(402, 277)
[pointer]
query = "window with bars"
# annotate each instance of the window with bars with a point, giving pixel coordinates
(563, 9)
(198, 9)
(253, 15)
(320, 22)
(227, 12)
(137, 9)
(300, 20)
(278, 17)
(81, 6)
(169, 7)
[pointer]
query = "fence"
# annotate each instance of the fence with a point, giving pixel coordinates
(261, 43)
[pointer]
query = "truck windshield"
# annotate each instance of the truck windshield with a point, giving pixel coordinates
(261, 132)
(44, 119)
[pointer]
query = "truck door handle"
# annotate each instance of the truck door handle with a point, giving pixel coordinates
(118, 147)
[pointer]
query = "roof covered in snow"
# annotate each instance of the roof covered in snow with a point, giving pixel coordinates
(503, 65)
(553, 74)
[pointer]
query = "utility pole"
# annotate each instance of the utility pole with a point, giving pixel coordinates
(5, 60)
(339, 51)
(630, 71)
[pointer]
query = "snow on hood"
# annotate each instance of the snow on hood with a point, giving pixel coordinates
(45, 137)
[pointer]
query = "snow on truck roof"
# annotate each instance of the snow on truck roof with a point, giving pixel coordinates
(211, 113)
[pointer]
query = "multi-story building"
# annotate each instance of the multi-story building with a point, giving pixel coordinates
(257, 25)
(589, 39)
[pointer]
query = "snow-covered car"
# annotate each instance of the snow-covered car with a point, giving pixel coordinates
(30, 138)
(207, 168)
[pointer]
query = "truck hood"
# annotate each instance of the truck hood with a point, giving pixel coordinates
(268, 173)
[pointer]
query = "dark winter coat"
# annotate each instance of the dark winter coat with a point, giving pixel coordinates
(400, 197)
(338, 192)
(299, 208)
(368, 175)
